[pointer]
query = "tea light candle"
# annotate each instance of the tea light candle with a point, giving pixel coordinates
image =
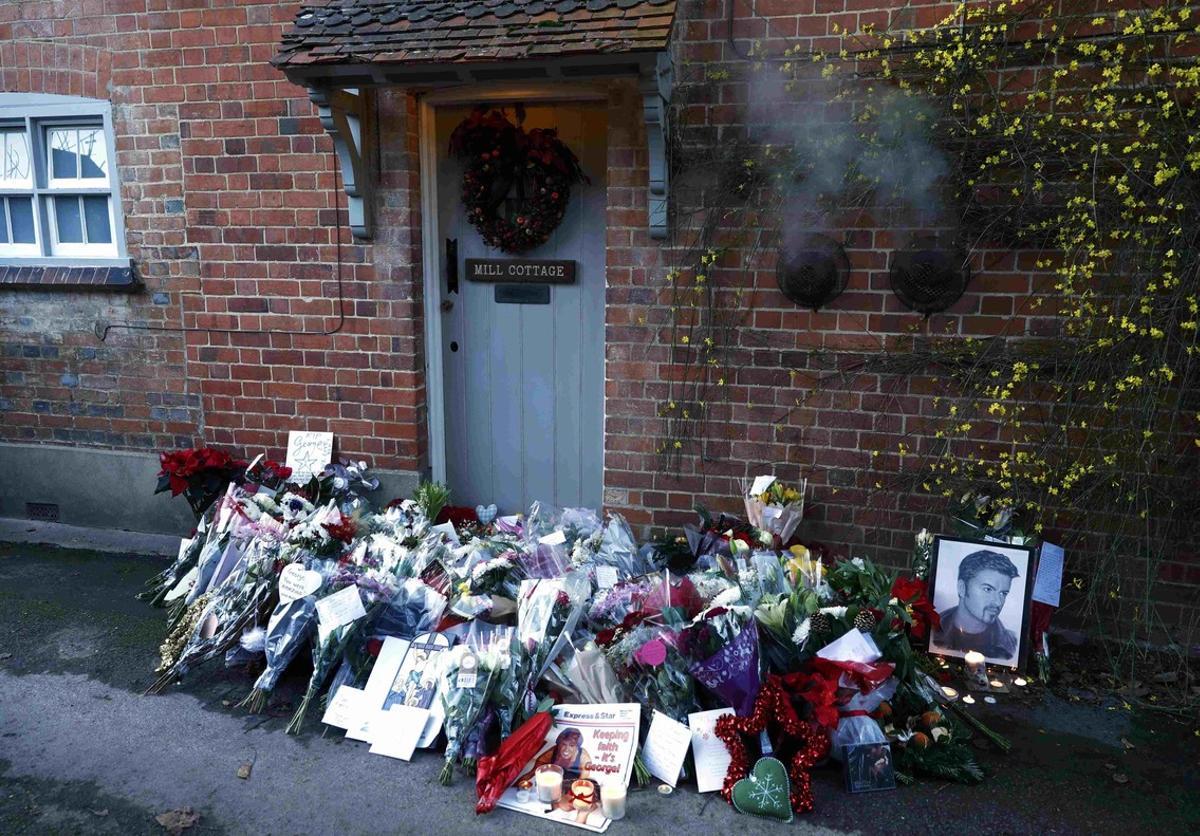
(549, 781)
(950, 693)
(1020, 682)
(612, 801)
(969, 700)
(583, 794)
(976, 669)
(996, 683)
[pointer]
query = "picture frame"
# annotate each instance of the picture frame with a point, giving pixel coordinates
(977, 605)
(868, 767)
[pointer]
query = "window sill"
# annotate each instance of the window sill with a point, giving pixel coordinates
(116, 276)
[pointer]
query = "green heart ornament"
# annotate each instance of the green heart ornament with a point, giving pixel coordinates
(765, 792)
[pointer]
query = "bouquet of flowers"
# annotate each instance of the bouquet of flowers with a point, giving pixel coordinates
(775, 507)
(289, 628)
(201, 475)
(466, 681)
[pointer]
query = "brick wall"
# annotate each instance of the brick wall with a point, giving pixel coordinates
(231, 200)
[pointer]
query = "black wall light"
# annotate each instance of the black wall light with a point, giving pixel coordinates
(813, 270)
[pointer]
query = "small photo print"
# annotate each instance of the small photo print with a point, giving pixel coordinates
(869, 767)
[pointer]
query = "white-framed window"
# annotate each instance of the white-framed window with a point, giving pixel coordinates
(59, 195)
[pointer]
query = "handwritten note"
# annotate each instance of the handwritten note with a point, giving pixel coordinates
(606, 576)
(344, 708)
(295, 582)
(708, 750)
(1047, 584)
(394, 733)
(665, 748)
(337, 609)
(308, 453)
(761, 483)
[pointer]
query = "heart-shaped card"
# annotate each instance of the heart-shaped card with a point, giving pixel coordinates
(766, 792)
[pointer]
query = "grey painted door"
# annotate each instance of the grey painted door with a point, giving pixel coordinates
(524, 383)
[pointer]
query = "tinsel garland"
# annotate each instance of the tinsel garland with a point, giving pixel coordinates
(174, 643)
(773, 707)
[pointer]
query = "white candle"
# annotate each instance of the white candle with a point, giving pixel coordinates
(951, 694)
(549, 781)
(612, 801)
(1019, 682)
(976, 669)
(969, 700)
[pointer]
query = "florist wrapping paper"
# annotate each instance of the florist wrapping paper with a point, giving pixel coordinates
(732, 673)
(868, 681)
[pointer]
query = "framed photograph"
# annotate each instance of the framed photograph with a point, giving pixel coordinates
(981, 592)
(869, 767)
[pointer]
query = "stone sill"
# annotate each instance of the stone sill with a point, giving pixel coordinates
(118, 278)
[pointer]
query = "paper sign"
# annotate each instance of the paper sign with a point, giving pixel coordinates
(394, 733)
(447, 528)
(665, 748)
(229, 559)
(606, 576)
(761, 483)
(708, 750)
(1047, 584)
(308, 453)
(295, 582)
(554, 538)
(340, 608)
(344, 708)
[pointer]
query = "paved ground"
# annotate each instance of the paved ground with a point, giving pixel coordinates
(81, 751)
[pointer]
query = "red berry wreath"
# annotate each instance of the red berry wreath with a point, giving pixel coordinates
(503, 157)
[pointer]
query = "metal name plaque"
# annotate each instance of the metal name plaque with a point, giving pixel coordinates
(521, 270)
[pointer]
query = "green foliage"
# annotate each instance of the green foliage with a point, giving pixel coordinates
(432, 497)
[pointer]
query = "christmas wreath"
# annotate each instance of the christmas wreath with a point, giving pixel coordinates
(502, 158)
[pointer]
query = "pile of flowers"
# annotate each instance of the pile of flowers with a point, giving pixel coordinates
(555, 604)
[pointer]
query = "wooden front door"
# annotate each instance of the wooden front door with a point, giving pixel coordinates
(524, 372)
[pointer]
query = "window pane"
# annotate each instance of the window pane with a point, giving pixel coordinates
(21, 210)
(64, 153)
(66, 213)
(14, 157)
(95, 212)
(93, 153)
(3, 221)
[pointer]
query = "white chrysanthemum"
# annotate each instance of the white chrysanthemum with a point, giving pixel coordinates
(800, 637)
(728, 598)
(834, 612)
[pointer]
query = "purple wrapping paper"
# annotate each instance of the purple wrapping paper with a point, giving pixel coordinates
(732, 672)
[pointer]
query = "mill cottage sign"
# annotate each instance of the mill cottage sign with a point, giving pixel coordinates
(541, 271)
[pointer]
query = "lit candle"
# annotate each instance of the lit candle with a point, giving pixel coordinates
(549, 780)
(996, 683)
(969, 700)
(951, 694)
(1020, 682)
(583, 795)
(612, 800)
(976, 669)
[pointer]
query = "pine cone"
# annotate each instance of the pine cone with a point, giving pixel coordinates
(865, 621)
(819, 623)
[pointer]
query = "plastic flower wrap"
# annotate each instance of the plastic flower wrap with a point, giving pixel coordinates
(863, 683)
(466, 679)
(775, 507)
(732, 673)
(290, 627)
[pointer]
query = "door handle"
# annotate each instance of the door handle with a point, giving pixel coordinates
(452, 265)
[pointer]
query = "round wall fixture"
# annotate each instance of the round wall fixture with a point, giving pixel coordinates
(813, 271)
(929, 275)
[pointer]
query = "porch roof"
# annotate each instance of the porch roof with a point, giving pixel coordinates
(374, 36)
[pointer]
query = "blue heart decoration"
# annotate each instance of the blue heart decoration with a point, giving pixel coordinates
(486, 515)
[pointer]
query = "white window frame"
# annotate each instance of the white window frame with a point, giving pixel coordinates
(36, 116)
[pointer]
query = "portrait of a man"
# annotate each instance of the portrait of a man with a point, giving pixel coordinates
(981, 595)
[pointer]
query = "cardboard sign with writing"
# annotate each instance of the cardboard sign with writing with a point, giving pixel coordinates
(308, 453)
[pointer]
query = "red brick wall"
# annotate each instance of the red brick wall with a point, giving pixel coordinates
(231, 202)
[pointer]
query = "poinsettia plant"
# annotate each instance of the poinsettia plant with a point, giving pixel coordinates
(201, 475)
